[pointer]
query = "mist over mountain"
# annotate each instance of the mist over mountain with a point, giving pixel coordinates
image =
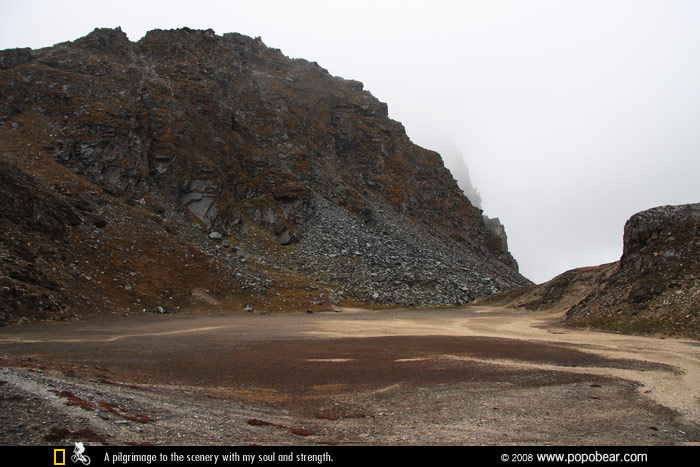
(455, 163)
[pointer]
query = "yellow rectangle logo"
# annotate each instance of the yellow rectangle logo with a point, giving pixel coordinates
(59, 457)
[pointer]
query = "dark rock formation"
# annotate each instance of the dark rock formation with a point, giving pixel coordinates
(283, 176)
(656, 287)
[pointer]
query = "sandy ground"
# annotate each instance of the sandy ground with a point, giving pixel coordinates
(466, 376)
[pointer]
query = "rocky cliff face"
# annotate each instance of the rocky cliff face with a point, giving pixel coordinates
(241, 172)
(656, 287)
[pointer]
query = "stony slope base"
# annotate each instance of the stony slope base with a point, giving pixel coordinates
(654, 288)
(189, 169)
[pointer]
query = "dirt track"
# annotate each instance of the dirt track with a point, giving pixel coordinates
(467, 376)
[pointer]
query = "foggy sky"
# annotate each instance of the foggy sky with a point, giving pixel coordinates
(570, 115)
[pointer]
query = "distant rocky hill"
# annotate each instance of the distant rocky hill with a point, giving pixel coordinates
(654, 288)
(193, 170)
(556, 295)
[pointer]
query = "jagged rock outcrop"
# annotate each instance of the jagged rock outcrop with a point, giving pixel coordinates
(286, 177)
(654, 288)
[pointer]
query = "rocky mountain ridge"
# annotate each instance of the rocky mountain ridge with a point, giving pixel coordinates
(190, 169)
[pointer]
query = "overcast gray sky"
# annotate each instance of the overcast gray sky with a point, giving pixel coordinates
(571, 115)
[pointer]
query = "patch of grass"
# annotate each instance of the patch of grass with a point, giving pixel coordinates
(120, 412)
(75, 401)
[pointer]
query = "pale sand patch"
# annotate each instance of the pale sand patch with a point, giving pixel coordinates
(254, 394)
(330, 360)
(330, 388)
(112, 338)
(678, 390)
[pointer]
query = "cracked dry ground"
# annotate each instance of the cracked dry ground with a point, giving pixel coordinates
(459, 376)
